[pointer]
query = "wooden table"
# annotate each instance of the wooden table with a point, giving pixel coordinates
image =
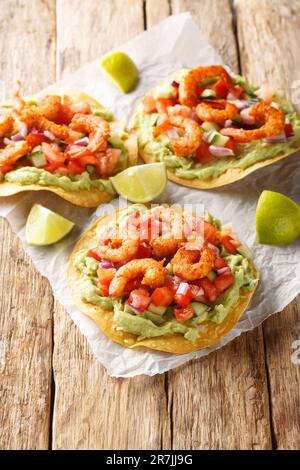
(54, 394)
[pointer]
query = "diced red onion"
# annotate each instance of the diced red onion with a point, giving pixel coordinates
(240, 104)
(213, 247)
(136, 310)
(197, 291)
(223, 270)
(220, 151)
(106, 265)
(228, 123)
(49, 135)
(36, 132)
(175, 84)
(17, 137)
(23, 129)
(246, 117)
(194, 116)
(83, 142)
(276, 139)
(182, 288)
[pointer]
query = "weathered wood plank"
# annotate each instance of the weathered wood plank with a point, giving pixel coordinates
(27, 32)
(214, 18)
(156, 10)
(93, 411)
(221, 402)
(274, 31)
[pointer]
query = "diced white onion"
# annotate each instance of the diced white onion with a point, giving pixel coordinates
(228, 123)
(23, 129)
(223, 270)
(276, 139)
(7, 141)
(84, 141)
(17, 137)
(172, 134)
(49, 135)
(246, 117)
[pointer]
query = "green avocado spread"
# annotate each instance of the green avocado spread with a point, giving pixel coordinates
(186, 167)
(149, 323)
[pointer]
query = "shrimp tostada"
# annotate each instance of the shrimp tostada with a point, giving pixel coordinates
(67, 144)
(162, 278)
(211, 128)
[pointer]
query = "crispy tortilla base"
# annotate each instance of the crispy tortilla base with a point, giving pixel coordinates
(84, 198)
(230, 176)
(210, 333)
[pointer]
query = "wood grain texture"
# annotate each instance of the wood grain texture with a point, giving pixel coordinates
(26, 300)
(214, 18)
(273, 31)
(156, 10)
(221, 402)
(93, 411)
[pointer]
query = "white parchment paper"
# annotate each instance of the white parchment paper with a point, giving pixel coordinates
(279, 267)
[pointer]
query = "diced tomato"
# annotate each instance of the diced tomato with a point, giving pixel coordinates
(172, 283)
(139, 299)
(210, 233)
(105, 276)
(64, 115)
(5, 168)
(162, 104)
(288, 129)
(144, 251)
(90, 160)
(198, 293)
(210, 290)
(149, 104)
(238, 92)
(230, 144)
(203, 155)
(74, 168)
(162, 296)
(184, 314)
(93, 254)
(229, 244)
(221, 89)
(183, 295)
(220, 262)
(53, 154)
(224, 281)
(105, 164)
(35, 139)
(199, 90)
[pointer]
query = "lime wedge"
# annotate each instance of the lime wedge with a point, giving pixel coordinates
(277, 219)
(44, 227)
(121, 68)
(141, 183)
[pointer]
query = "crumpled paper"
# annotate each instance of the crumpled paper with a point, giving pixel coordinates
(279, 267)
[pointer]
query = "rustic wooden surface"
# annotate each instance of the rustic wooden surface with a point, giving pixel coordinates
(54, 394)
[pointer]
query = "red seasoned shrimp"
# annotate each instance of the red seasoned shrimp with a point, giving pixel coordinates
(193, 264)
(188, 88)
(187, 144)
(216, 111)
(97, 128)
(6, 125)
(11, 153)
(152, 273)
(273, 123)
(167, 244)
(118, 250)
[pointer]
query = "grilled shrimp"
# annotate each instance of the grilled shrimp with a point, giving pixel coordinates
(118, 250)
(97, 128)
(272, 119)
(168, 243)
(216, 111)
(180, 110)
(152, 273)
(187, 144)
(193, 264)
(10, 154)
(188, 88)
(6, 125)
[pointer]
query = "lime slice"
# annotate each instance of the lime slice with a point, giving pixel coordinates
(121, 68)
(277, 219)
(44, 227)
(141, 183)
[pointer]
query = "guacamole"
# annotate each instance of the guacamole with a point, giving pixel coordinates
(152, 323)
(245, 156)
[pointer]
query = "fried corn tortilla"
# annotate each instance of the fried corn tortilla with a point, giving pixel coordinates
(263, 154)
(84, 198)
(209, 333)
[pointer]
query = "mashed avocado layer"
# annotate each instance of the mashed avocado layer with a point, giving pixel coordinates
(150, 324)
(187, 168)
(31, 175)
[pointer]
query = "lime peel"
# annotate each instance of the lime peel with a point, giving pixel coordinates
(45, 227)
(277, 219)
